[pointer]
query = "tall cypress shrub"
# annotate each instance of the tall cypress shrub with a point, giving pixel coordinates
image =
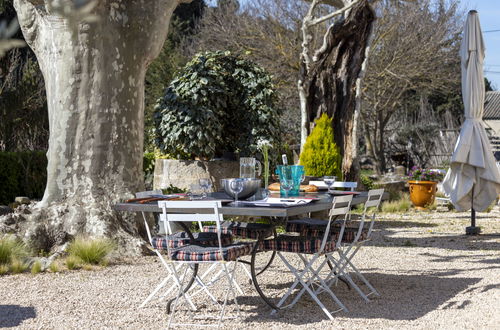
(321, 156)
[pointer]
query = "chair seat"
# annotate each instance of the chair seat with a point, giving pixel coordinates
(243, 229)
(182, 239)
(296, 244)
(316, 228)
(210, 253)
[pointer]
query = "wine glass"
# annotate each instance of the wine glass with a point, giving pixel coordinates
(287, 185)
(236, 187)
(329, 180)
(206, 185)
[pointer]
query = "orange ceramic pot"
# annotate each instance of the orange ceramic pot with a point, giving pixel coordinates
(422, 193)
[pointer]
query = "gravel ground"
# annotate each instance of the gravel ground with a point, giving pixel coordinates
(429, 275)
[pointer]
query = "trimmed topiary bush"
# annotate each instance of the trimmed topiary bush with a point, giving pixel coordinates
(218, 102)
(321, 156)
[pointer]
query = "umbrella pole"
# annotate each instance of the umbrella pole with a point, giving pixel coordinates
(472, 230)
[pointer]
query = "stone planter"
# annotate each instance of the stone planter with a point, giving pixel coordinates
(422, 193)
(183, 173)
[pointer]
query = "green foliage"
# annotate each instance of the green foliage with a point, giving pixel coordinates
(22, 174)
(54, 267)
(171, 59)
(36, 267)
(321, 156)
(90, 251)
(218, 102)
(17, 266)
(73, 262)
(171, 189)
(366, 181)
(11, 249)
(403, 204)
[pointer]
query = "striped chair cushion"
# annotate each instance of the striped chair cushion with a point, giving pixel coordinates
(316, 228)
(181, 239)
(243, 229)
(208, 253)
(296, 244)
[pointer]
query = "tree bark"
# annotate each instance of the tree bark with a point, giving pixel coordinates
(331, 79)
(94, 77)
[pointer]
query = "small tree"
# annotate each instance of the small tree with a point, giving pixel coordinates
(320, 155)
(218, 102)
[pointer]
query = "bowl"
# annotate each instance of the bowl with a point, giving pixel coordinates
(250, 187)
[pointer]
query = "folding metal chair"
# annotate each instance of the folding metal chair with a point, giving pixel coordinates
(349, 248)
(160, 240)
(180, 259)
(310, 249)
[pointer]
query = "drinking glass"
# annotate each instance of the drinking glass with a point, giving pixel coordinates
(287, 185)
(236, 187)
(329, 181)
(206, 185)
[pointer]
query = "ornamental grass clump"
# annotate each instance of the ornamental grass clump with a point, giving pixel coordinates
(402, 204)
(419, 174)
(12, 251)
(90, 251)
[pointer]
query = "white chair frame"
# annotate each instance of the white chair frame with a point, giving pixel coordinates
(347, 251)
(310, 260)
(210, 214)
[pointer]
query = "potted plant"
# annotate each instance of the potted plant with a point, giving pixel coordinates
(423, 184)
(218, 103)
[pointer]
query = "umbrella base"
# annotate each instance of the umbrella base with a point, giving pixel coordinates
(472, 230)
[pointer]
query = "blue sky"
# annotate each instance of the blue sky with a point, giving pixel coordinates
(489, 16)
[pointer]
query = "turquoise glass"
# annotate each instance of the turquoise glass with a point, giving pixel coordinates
(290, 172)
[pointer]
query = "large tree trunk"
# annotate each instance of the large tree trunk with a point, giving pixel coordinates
(94, 78)
(331, 83)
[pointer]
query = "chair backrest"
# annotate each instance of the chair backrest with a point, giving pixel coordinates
(345, 184)
(341, 205)
(189, 211)
(161, 229)
(373, 201)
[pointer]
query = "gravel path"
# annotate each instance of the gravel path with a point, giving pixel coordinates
(429, 275)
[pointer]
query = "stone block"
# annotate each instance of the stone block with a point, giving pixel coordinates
(22, 200)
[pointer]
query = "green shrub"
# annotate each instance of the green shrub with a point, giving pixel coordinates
(22, 174)
(73, 262)
(91, 251)
(18, 266)
(11, 249)
(366, 181)
(36, 267)
(218, 102)
(321, 156)
(54, 267)
(403, 204)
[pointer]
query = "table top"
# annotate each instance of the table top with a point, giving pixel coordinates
(324, 203)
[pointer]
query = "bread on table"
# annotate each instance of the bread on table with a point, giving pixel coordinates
(306, 188)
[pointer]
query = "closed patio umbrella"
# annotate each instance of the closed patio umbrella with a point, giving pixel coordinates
(473, 180)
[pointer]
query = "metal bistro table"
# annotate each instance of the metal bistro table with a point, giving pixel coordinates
(323, 203)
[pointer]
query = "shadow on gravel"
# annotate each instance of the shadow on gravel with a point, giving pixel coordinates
(14, 315)
(403, 297)
(385, 237)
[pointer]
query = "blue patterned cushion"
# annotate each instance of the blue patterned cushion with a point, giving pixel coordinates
(243, 229)
(181, 239)
(316, 228)
(296, 244)
(205, 253)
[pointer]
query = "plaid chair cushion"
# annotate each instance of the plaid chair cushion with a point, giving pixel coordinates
(209, 253)
(182, 239)
(316, 228)
(243, 229)
(296, 244)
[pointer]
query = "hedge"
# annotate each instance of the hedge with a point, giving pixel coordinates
(25, 174)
